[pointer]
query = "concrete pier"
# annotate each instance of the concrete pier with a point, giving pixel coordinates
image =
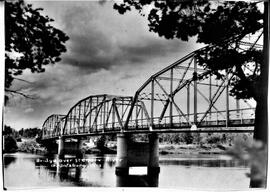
(61, 143)
(69, 147)
(153, 165)
(133, 154)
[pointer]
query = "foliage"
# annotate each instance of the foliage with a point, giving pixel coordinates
(31, 146)
(214, 139)
(30, 132)
(101, 142)
(11, 132)
(30, 41)
(222, 24)
(10, 144)
(256, 155)
(7, 130)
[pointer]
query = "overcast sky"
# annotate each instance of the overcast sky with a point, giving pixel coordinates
(106, 53)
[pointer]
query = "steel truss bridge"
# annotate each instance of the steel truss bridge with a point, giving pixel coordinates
(175, 99)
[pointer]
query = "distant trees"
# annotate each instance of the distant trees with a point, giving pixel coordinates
(30, 132)
(9, 135)
(12, 136)
(10, 144)
(23, 132)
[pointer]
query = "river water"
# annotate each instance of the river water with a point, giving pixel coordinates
(24, 171)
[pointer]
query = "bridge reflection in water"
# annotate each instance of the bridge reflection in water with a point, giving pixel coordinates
(80, 172)
(70, 170)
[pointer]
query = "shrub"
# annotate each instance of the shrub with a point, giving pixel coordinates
(10, 144)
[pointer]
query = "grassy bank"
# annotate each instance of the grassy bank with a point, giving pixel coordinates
(192, 149)
(30, 146)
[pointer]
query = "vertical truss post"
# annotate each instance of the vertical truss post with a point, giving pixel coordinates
(141, 116)
(171, 98)
(70, 120)
(237, 107)
(96, 117)
(90, 114)
(210, 97)
(84, 108)
(188, 101)
(152, 102)
(195, 92)
(79, 118)
(113, 113)
(61, 130)
(100, 115)
(122, 108)
(136, 115)
(104, 116)
(227, 100)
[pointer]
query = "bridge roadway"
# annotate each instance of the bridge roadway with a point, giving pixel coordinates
(234, 126)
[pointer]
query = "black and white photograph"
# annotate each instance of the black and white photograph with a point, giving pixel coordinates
(167, 94)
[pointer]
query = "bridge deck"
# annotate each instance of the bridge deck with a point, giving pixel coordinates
(235, 126)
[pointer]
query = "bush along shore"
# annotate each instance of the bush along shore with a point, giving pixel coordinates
(168, 144)
(31, 146)
(165, 149)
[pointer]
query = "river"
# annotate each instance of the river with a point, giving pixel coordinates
(30, 171)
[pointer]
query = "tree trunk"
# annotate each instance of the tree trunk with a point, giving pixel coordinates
(261, 113)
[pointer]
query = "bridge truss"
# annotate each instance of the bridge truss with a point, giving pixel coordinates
(181, 97)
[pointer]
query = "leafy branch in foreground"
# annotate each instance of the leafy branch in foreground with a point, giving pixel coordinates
(31, 42)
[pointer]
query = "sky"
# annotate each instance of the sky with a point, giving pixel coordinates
(107, 53)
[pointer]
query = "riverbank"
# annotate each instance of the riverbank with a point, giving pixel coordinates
(192, 149)
(31, 146)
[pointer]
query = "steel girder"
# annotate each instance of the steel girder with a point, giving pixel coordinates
(98, 113)
(52, 126)
(94, 114)
(179, 96)
(185, 94)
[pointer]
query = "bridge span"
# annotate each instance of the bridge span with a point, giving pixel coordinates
(182, 97)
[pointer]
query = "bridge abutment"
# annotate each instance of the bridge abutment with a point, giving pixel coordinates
(70, 147)
(61, 142)
(136, 154)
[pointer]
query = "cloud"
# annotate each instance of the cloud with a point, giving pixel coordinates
(28, 110)
(101, 38)
(107, 53)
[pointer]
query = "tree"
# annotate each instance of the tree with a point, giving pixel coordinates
(9, 139)
(222, 26)
(30, 42)
(10, 144)
(7, 130)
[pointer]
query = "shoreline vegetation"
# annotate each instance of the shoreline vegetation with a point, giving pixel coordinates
(31, 146)
(179, 143)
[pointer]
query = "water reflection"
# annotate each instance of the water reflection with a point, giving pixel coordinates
(100, 161)
(70, 169)
(99, 171)
(66, 169)
(205, 163)
(137, 181)
(9, 160)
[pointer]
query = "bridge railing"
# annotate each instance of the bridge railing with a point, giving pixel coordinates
(217, 118)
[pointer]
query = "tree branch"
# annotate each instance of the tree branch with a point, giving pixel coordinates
(19, 93)
(240, 73)
(19, 79)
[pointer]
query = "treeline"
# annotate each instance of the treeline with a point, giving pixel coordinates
(198, 138)
(22, 133)
(12, 136)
